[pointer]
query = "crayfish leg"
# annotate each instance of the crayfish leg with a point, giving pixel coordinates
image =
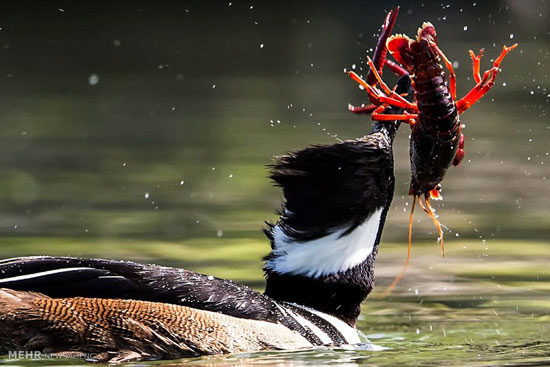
(390, 288)
(485, 84)
(452, 75)
(396, 68)
(394, 99)
(476, 60)
(378, 98)
(386, 117)
(460, 152)
(362, 109)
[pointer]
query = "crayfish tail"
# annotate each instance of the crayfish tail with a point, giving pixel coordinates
(398, 46)
(390, 288)
(426, 30)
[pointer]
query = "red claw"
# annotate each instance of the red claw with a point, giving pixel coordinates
(375, 70)
(379, 57)
(460, 152)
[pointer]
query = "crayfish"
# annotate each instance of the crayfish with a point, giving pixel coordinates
(436, 138)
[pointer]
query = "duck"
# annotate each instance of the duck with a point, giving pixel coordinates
(319, 271)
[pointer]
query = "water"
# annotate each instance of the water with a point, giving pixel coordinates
(475, 308)
(106, 109)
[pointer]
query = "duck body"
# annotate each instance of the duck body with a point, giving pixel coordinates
(123, 311)
(320, 269)
(120, 330)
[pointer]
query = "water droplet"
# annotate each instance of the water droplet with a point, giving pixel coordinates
(146, 195)
(465, 28)
(93, 79)
(261, 45)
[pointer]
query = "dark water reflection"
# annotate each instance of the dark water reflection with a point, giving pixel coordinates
(125, 123)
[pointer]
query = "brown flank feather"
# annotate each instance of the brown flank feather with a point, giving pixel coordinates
(122, 330)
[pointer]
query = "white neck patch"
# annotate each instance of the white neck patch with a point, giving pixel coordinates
(326, 255)
(349, 333)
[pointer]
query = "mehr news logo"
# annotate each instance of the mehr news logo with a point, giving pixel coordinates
(36, 354)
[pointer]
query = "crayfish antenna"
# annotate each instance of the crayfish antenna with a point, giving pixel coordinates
(428, 209)
(400, 276)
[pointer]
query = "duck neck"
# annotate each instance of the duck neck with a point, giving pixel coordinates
(332, 291)
(325, 243)
(336, 198)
